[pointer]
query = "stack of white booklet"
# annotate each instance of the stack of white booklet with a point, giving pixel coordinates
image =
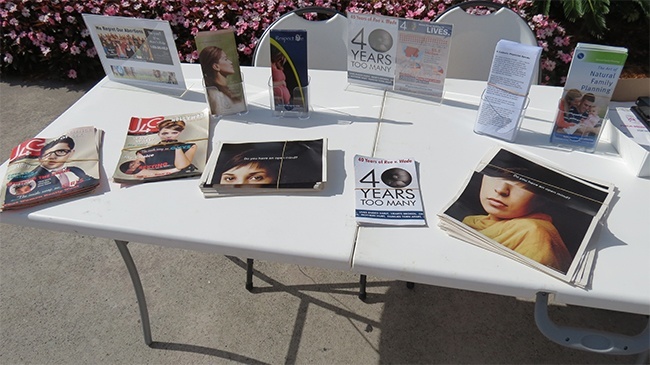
(532, 212)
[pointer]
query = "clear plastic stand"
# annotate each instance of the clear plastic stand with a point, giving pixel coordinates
(227, 100)
(580, 137)
(499, 121)
(290, 103)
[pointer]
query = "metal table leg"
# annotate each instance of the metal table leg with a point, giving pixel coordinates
(137, 285)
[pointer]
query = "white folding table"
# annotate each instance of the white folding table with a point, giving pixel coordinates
(440, 138)
(313, 229)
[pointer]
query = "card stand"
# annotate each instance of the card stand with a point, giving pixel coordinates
(581, 137)
(299, 106)
(434, 100)
(221, 104)
(498, 124)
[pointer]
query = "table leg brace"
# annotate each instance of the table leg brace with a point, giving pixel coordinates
(586, 339)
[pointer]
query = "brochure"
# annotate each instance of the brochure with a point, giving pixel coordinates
(41, 170)
(502, 105)
(163, 148)
(422, 57)
(387, 192)
(289, 76)
(591, 81)
(136, 51)
(532, 212)
(265, 167)
(372, 47)
(221, 73)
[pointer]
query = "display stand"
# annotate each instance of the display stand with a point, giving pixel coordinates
(499, 119)
(298, 105)
(221, 104)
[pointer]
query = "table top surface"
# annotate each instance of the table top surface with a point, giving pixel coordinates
(319, 228)
(441, 139)
(315, 228)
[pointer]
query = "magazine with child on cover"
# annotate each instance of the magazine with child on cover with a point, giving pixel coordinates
(41, 170)
(534, 213)
(163, 148)
(266, 166)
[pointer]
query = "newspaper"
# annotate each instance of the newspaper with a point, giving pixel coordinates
(387, 192)
(41, 170)
(163, 148)
(528, 210)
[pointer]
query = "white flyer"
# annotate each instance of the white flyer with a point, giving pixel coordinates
(136, 51)
(372, 44)
(387, 192)
(503, 102)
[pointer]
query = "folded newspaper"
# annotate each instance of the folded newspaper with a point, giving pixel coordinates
(41, 170)
(531, 212)
(164, 147)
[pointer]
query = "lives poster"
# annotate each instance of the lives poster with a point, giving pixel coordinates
(422, 57)
(136, 51)
(387, 192)
(46, 169)
(163, 147)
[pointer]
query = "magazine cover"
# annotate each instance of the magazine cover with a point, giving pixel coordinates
(45, 169)
(289, 70)
(372, 47)
(163, 147)
(422, 57)
(592, 77)
(256, 167)
(531, 212)
(136, 51)
(387, 192)
(221, 74)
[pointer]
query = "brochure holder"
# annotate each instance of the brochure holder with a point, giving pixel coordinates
(299, 105)
(499, 121)
(580, 137)
(220, 104)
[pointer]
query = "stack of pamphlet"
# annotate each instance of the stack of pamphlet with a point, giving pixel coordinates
(163, 148)
(41, 170)
(531, 212)
(387, 192)
(265, 167)
(591, 81)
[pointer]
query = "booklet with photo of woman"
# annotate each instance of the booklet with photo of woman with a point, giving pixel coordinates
(528, 210)
(265, 167)
(163, 148)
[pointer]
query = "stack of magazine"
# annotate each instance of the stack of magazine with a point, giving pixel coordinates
(531, 212)
(163, 148)
(265, 167)
(42, 170)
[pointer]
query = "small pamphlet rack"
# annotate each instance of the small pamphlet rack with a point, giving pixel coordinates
(221, 104)
(299, 105)
(499, 122)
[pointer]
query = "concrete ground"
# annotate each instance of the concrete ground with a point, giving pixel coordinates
(68, 299)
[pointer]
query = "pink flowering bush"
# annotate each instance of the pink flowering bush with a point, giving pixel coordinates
(49, 38)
